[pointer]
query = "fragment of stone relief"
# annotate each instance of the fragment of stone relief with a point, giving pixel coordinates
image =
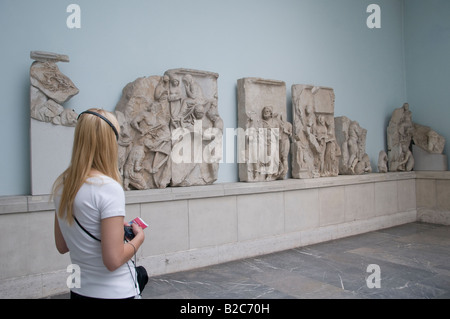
(382, 162)
(263, 131)
(399, 137)
(44, 56)
(171, 130)
(49, 89)
(351, 138)
(428, 148)
(315, 151)
(428, 139)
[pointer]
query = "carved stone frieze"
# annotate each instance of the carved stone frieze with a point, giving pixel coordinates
(315, 151)
(49, 89)
(428, 139)
(399, 137)
(264, 133)
(171, 131)
(351, 138)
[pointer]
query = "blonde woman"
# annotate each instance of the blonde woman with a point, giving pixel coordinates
(90, 210)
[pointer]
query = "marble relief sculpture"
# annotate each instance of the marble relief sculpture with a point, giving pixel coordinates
(399, 137)
(196, 127)
(428, 139)
(171, 130)
(428, 149)
(382, 162)
(141, 118)
(315, 151)
(413, 146)
(264, 148)
(50, 88)
(351, 138)
(51, 125)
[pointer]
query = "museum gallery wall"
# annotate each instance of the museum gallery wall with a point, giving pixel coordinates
(171, 130)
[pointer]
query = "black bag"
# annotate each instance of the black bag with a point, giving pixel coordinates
(142, 277)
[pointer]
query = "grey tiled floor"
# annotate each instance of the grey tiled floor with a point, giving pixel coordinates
(413, 261)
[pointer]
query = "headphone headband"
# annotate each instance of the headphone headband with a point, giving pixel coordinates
(104, 119)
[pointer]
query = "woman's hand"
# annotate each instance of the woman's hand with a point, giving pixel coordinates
(114, 251)
(138, 231)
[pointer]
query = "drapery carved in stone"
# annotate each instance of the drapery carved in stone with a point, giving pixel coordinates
(263, 133)
(351, 138)
(171, 131)
(399, 137)
(412, 145)
(315, 152)
(428, 139)
(49, 89)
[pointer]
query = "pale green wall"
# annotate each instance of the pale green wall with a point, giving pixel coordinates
(320, 42)
(427, 52)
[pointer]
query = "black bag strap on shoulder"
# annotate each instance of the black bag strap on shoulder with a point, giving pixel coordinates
(92, 236)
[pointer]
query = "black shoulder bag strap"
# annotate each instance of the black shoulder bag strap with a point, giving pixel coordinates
(92, 236)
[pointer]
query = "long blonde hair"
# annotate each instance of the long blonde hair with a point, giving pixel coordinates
(94, 147)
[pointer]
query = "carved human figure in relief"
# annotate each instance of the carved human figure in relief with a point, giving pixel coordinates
(157, 108)
(316, 134)
(332, 151)
(162, 96)
(268, 143)
(310, 120)
(320, 132)
(305, 141)
(155, 134)
(125, 140)
(194, 99)
(352, 140)
(270, 157)
(352, 144)
(382, 162)
(252, 144)
(162, 89)
(406, 127)
(212, 133)
(399, 137)
(174, 98)
(406, 162)
(285, 146)
(133, 168)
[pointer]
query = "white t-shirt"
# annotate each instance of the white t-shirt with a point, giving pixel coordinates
(100, 197)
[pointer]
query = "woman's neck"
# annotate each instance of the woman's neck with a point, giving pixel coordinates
(95, 172)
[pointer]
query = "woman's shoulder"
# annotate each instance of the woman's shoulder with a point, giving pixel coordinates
(104, 182)
(105, 191)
